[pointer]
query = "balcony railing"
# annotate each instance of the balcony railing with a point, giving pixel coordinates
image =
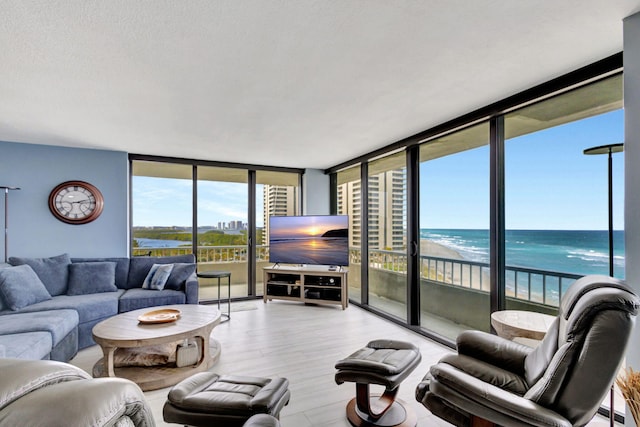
(212, 254)
(527, 284)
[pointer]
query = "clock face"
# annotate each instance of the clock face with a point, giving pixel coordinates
(76, 202)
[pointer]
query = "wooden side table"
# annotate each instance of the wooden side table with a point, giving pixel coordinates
(217, 274)
(510, 324)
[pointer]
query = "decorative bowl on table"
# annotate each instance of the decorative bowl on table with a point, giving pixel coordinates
(165, 315)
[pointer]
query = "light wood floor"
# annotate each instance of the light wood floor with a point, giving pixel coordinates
(302, 343)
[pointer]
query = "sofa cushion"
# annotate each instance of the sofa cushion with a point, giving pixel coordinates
(91, 278)
(52, 271)
(27, 345)
(139, 267)
(134, 299)
(157, 277)
(122, 268)
(89, 307)
(181, 272)
(58, 323)
(20, 287)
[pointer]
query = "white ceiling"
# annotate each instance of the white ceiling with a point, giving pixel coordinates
(297, 83)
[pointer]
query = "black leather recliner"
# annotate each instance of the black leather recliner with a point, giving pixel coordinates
(562, 382)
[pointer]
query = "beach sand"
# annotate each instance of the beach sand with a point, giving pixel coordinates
(430, 248)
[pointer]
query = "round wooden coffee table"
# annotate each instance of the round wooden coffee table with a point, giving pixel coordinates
(125, 331)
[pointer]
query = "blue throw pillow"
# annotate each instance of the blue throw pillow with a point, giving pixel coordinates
(20, 286)
(139, 267)
(91, 278)
(157, 277)
(180, 273)
(53, 272)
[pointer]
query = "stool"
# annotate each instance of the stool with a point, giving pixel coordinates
(215, 274)
(209, 399)
(383, 362)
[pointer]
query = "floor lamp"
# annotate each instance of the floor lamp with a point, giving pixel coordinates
(6, 220)
(609, 150)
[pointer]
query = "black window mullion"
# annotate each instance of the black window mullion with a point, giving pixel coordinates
(251, 234)
(194, 211)
(364, 232)
(497, 214)
(413, 235)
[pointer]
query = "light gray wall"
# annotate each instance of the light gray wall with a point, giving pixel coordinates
(632, 173)
(37, 169)
(315, 192)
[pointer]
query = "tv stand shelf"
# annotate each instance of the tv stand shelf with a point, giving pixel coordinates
(306, 284)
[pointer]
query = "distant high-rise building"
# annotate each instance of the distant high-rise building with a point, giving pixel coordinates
(237, 225)
(278, 200)
(386, 210)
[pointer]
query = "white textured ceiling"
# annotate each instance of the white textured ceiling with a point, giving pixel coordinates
(297, 83)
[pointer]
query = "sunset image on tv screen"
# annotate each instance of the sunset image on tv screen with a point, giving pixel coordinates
(311, 239)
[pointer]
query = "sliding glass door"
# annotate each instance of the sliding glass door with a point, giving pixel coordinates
(387, 238)
(223, 228)
(276, 195)
(349, 194)
(454, 232)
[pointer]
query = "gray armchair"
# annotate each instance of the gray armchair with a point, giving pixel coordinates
(562, 382)
(48, 393)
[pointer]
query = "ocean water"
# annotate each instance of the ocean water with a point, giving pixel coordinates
(158, 243)
(567, 251)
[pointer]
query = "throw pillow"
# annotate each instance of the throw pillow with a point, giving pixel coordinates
(180, 273)
(53, 272)
(157, 277)
(139, 267)
(91, 277)
(20, 286)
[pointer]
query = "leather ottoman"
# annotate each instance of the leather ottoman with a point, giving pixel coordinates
(209, 399)
(382, 362)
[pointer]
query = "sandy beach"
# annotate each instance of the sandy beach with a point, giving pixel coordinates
(468, 275)
(430, 248)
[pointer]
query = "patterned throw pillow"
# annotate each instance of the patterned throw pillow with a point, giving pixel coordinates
(157, 277)
(180, 273)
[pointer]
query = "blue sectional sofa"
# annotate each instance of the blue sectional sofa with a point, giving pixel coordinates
(55, 322)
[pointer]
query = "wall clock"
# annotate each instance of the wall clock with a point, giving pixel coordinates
(76, 202)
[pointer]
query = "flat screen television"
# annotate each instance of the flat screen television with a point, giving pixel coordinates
(309, 239)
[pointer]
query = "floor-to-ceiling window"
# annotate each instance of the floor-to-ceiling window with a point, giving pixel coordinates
(454, 232)
(349, 202)
(276, 195)
(228, 215)
(556, 196)
(222, 228)
(387, 235)
(509, 207)
(161, 215)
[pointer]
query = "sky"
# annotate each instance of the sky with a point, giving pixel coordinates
(167, 202)
(550, 184)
